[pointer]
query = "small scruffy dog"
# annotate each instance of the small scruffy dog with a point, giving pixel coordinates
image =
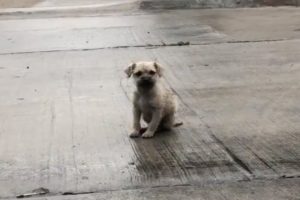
(152, 101)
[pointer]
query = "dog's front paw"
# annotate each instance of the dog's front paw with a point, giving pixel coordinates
(134, 134)
(148, 134)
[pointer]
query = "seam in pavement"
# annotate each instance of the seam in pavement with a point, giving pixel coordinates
(231, 154)
(149, 46)
(152, 187)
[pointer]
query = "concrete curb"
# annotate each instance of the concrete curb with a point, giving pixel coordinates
(203, 4)
(66, 11)
(123, 6)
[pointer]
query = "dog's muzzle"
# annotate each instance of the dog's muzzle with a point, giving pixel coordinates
(146, 82)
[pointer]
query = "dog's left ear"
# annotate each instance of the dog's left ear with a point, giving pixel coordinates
(158, 68)
(129, 69)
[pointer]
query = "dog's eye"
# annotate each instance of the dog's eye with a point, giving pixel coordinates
(138, 74)
(152, 72)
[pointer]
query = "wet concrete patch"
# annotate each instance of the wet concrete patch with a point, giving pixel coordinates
(192, 4)
(165, 5)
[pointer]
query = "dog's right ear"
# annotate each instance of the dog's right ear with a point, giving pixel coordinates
(158, 68)
(129, 69)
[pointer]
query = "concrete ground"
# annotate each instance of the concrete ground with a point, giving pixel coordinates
(66, 111)
(150, 4)
(49, 3)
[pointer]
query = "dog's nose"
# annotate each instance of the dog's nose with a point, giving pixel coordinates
(146, 78)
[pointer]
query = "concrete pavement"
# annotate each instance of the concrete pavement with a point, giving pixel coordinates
(151, 4)
(258, 190)
(65, 105)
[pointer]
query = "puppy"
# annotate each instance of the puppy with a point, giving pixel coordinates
(152, 101)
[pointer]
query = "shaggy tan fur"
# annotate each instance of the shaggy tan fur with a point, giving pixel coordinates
(152, 100)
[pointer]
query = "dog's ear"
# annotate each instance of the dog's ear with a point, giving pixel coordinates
(129, 69)
(158, 68)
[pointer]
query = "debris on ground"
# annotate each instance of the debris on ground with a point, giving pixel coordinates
(182, 43)
(131, 163)
(68, 193)
(35, 192)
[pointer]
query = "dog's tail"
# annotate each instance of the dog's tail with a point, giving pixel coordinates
(177, 124)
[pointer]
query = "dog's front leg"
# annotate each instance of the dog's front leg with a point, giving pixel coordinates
(136, 122)
(152, 127)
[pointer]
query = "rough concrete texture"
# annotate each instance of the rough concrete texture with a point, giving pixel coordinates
(66, 111)
(197, 27)
(286, 189)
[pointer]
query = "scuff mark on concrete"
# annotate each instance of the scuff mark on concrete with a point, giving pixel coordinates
(69, 78)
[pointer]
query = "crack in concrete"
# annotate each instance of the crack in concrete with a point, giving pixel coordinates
(69, 79)
(159, 186)
(232, 155)
(149, 46)
(243, 167)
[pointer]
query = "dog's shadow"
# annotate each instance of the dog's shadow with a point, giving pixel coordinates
(162, 133)
(152, 153)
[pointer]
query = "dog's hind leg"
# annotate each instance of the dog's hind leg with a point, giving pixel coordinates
(167, 122)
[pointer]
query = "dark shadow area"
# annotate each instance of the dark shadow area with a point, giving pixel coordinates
(184, 155)
(192, 4)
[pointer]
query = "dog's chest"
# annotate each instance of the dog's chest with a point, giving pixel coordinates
(146, 105)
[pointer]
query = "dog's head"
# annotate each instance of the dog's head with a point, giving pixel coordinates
(145, 74)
